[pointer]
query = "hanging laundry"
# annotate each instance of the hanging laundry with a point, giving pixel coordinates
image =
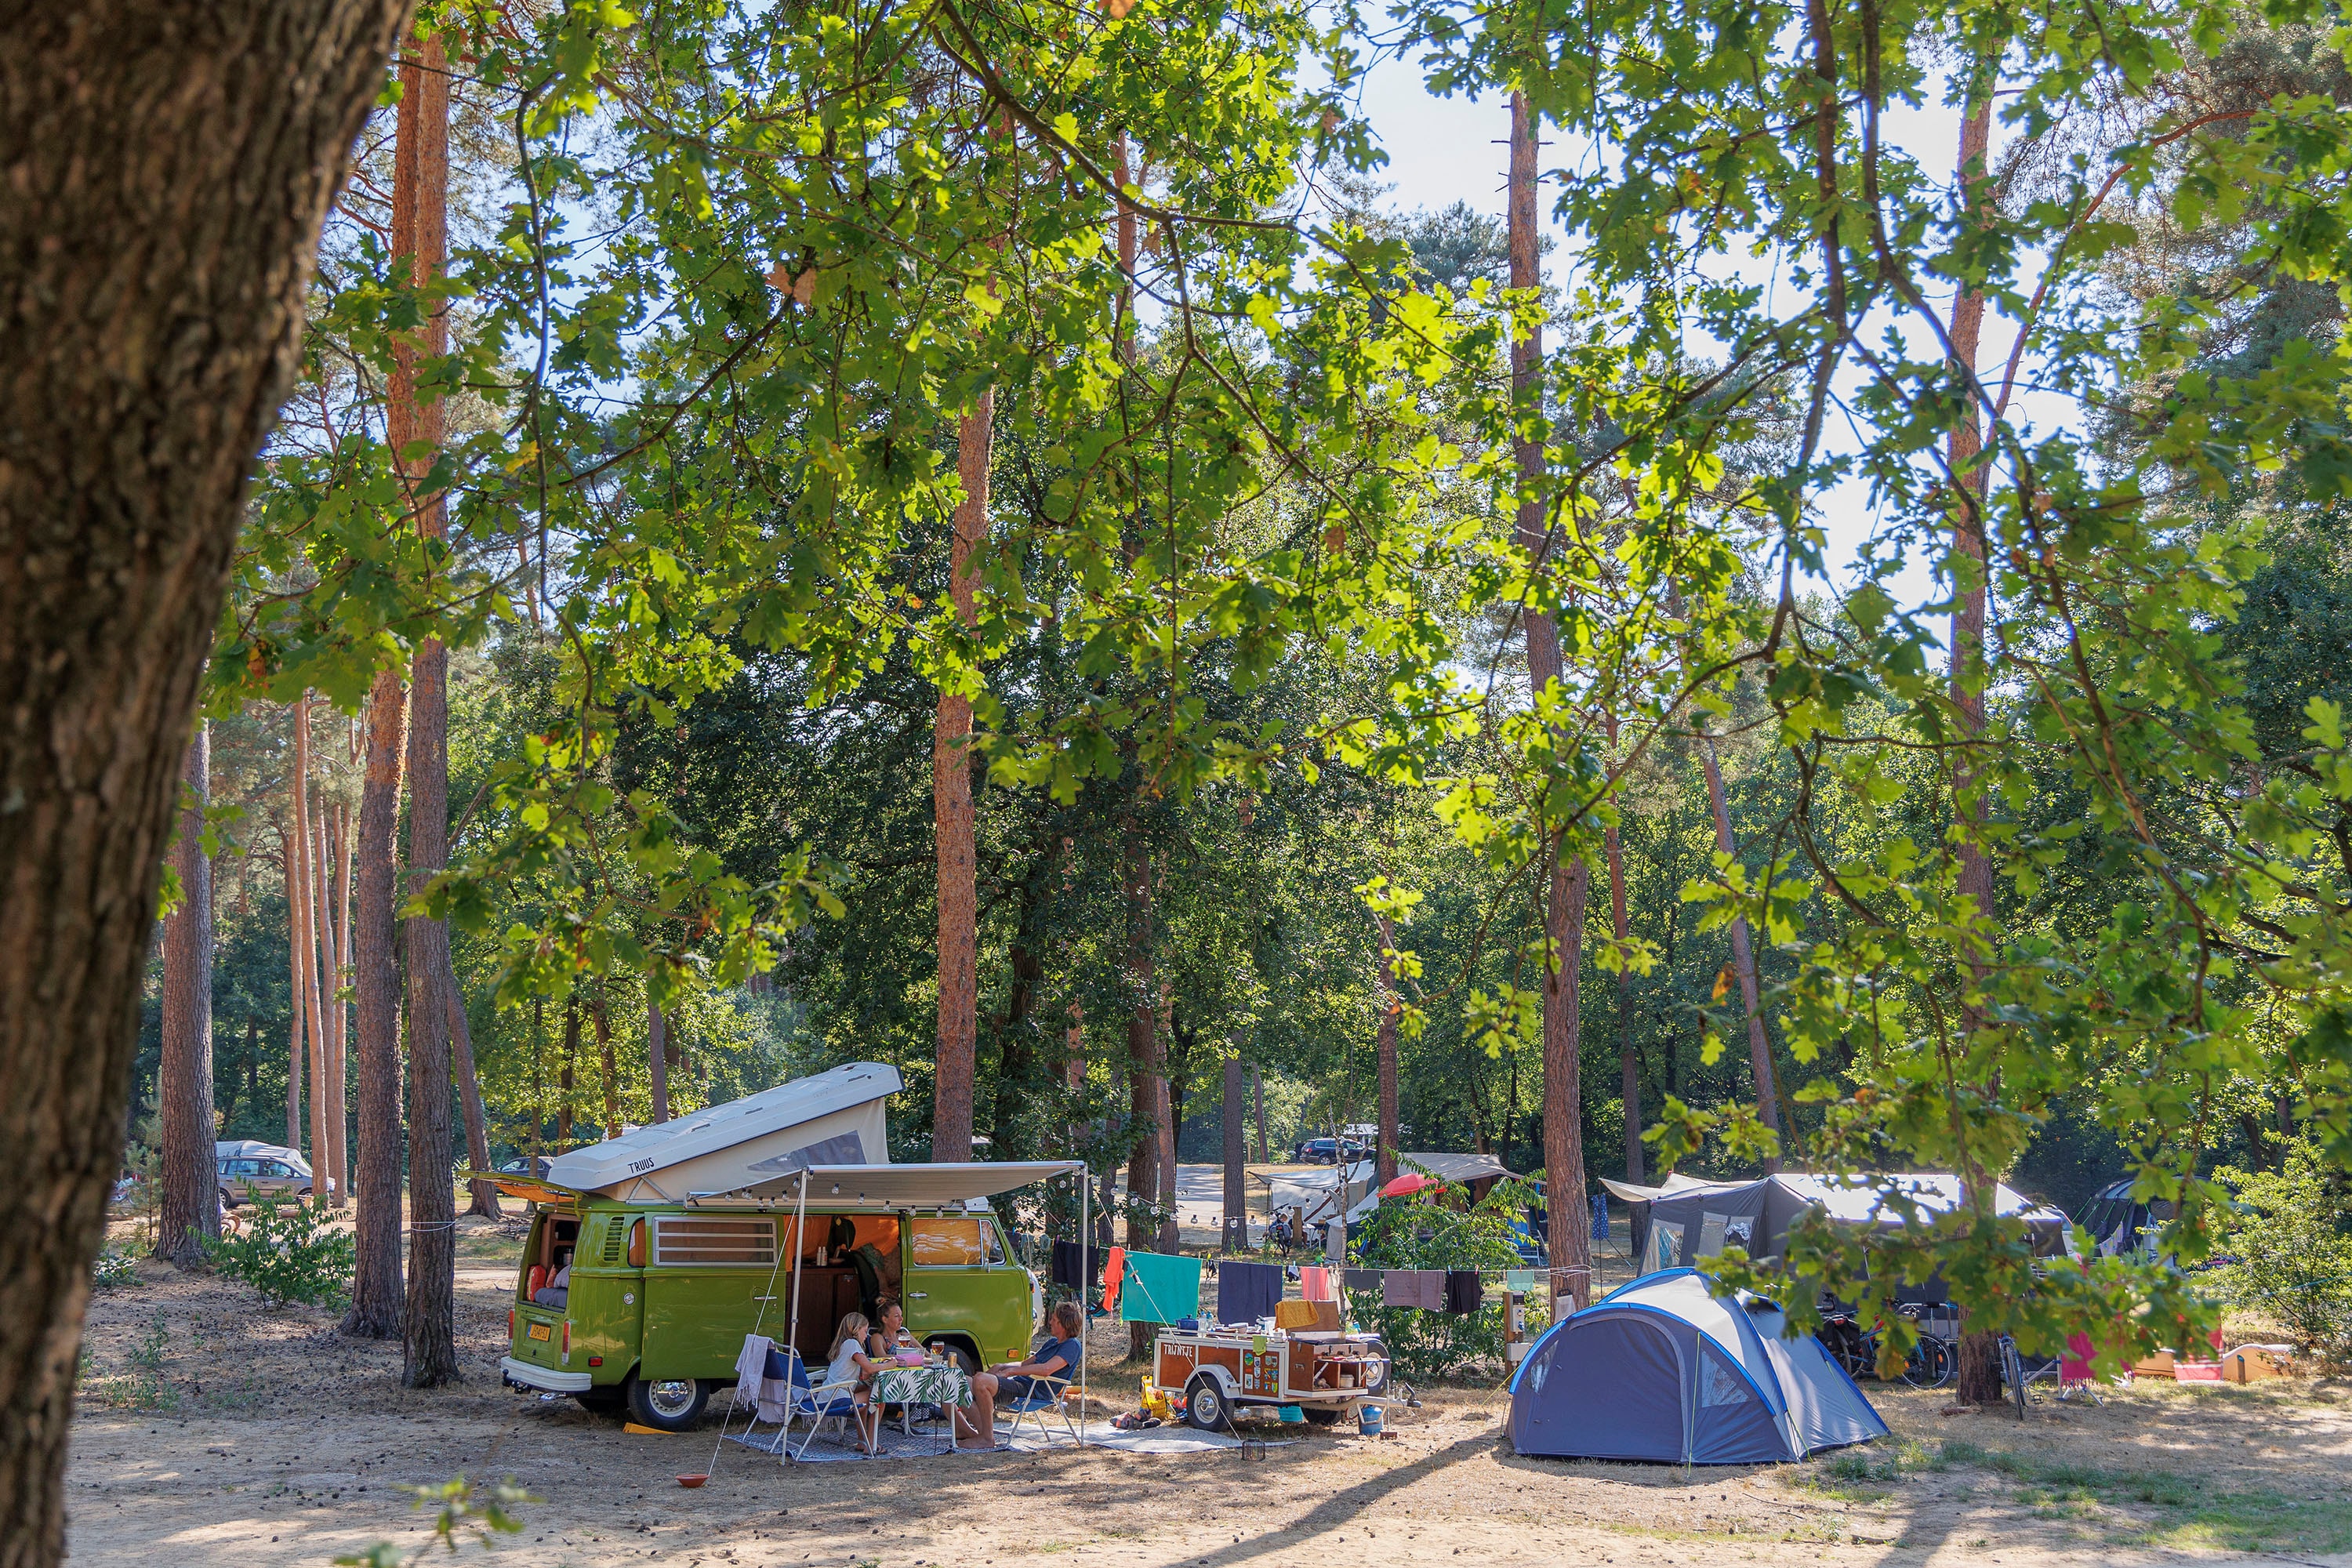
(1522, 1282)
(1161, 1288)
(1114, 1276)
(1070, 1261)
(1248, 1291)
(1599, 1216)
(1464, 1294)
(1315, 1283)
(1361, 1278)
(1422, 1287)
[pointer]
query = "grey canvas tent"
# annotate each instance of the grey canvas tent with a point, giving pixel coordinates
(1661, 1371)
(1683, 1228)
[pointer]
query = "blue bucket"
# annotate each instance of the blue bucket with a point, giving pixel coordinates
(1368, 1420)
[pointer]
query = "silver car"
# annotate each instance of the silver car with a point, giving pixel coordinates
(252, 1168)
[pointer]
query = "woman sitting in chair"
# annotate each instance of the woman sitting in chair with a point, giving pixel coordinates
(1057, 1358)
(851, 1371)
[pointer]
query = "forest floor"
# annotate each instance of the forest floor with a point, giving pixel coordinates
(212, 1431)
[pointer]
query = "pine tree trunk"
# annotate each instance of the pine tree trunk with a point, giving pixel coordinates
(294, 1041)
(306, 939)
(184, 1077)
(657, 1059)
(1569, 1241)
(1743, 958)
(952, 817)
(168, 167)
(482, 1194)
(421, 195)
(612, 1080)
(339, 888)
(376, 1288)
(563, 1072)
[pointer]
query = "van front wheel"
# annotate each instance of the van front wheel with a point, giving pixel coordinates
(673, 1405)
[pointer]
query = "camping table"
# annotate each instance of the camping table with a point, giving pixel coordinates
(907, 1386)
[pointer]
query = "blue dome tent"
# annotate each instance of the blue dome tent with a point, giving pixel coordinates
(1660, 1370)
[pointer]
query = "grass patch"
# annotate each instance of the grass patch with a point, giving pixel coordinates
(1868, 1473)
(2189, 1514)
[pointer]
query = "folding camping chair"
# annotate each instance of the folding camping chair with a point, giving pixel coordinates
(2017, 1369)
(815, 1404)
(1046, 1394)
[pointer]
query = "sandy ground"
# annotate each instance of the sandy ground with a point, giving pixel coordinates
(214, 1432)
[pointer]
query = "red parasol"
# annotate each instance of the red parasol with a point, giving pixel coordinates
(1406, 1185)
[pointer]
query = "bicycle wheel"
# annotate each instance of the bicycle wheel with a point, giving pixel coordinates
(1927, 1366)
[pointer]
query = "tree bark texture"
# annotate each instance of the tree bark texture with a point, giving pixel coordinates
(294, 1041)
(376, 1288)
(339, 926)
(571, 1053)
(1147, 1076)
(184, 1077)
(421, 197)
(1235, 1235)
(1384, 1049)
(482, 1195)
(167, 169)
(952, 814)
(1569, 1242)
(610, 1070)
(1743, 957)
(657, 1059)
(305, 935)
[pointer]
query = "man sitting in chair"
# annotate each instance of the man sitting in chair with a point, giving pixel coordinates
(1057, 1358)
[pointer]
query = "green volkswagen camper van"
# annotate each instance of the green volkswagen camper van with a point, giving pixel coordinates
(644, 1270)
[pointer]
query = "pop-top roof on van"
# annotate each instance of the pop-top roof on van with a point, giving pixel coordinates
(834, 1118)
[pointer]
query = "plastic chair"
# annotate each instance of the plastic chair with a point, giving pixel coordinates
(1044, 1394)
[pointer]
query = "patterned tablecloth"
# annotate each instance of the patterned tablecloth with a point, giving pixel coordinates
(921, 1385)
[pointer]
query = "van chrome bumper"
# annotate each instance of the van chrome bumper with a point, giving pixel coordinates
(523, 1374)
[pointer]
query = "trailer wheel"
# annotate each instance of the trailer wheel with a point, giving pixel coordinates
(1320, 1417)
(673, 1405)
(1206, 1406)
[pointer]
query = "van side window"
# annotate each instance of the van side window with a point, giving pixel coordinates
(950, 1241)
(699, 1238)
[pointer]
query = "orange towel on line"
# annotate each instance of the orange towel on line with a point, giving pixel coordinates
(1114, 1270)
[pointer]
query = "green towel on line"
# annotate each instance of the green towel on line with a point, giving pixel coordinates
(1520, 1280)
(1160, 1289)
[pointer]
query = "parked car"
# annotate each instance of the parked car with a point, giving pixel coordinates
(1316, 1152)
(523, 1167)
(248, 1168)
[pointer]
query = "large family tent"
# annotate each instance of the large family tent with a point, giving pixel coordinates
(1661, 1371)
(1688, 1226)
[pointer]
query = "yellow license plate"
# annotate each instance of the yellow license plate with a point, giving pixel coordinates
(541, 1331)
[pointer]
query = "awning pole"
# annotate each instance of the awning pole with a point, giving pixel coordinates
(1086, 1272)
(800, 1222)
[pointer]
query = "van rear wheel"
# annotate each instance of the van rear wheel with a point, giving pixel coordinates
(671, 1404)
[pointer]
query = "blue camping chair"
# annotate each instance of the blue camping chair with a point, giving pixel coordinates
(1044, 1397)
(814, 1404)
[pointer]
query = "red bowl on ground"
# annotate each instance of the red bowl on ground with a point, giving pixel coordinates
(691, 1482)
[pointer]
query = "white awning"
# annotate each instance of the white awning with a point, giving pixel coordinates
(898, 1187)
(1675, 1185)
